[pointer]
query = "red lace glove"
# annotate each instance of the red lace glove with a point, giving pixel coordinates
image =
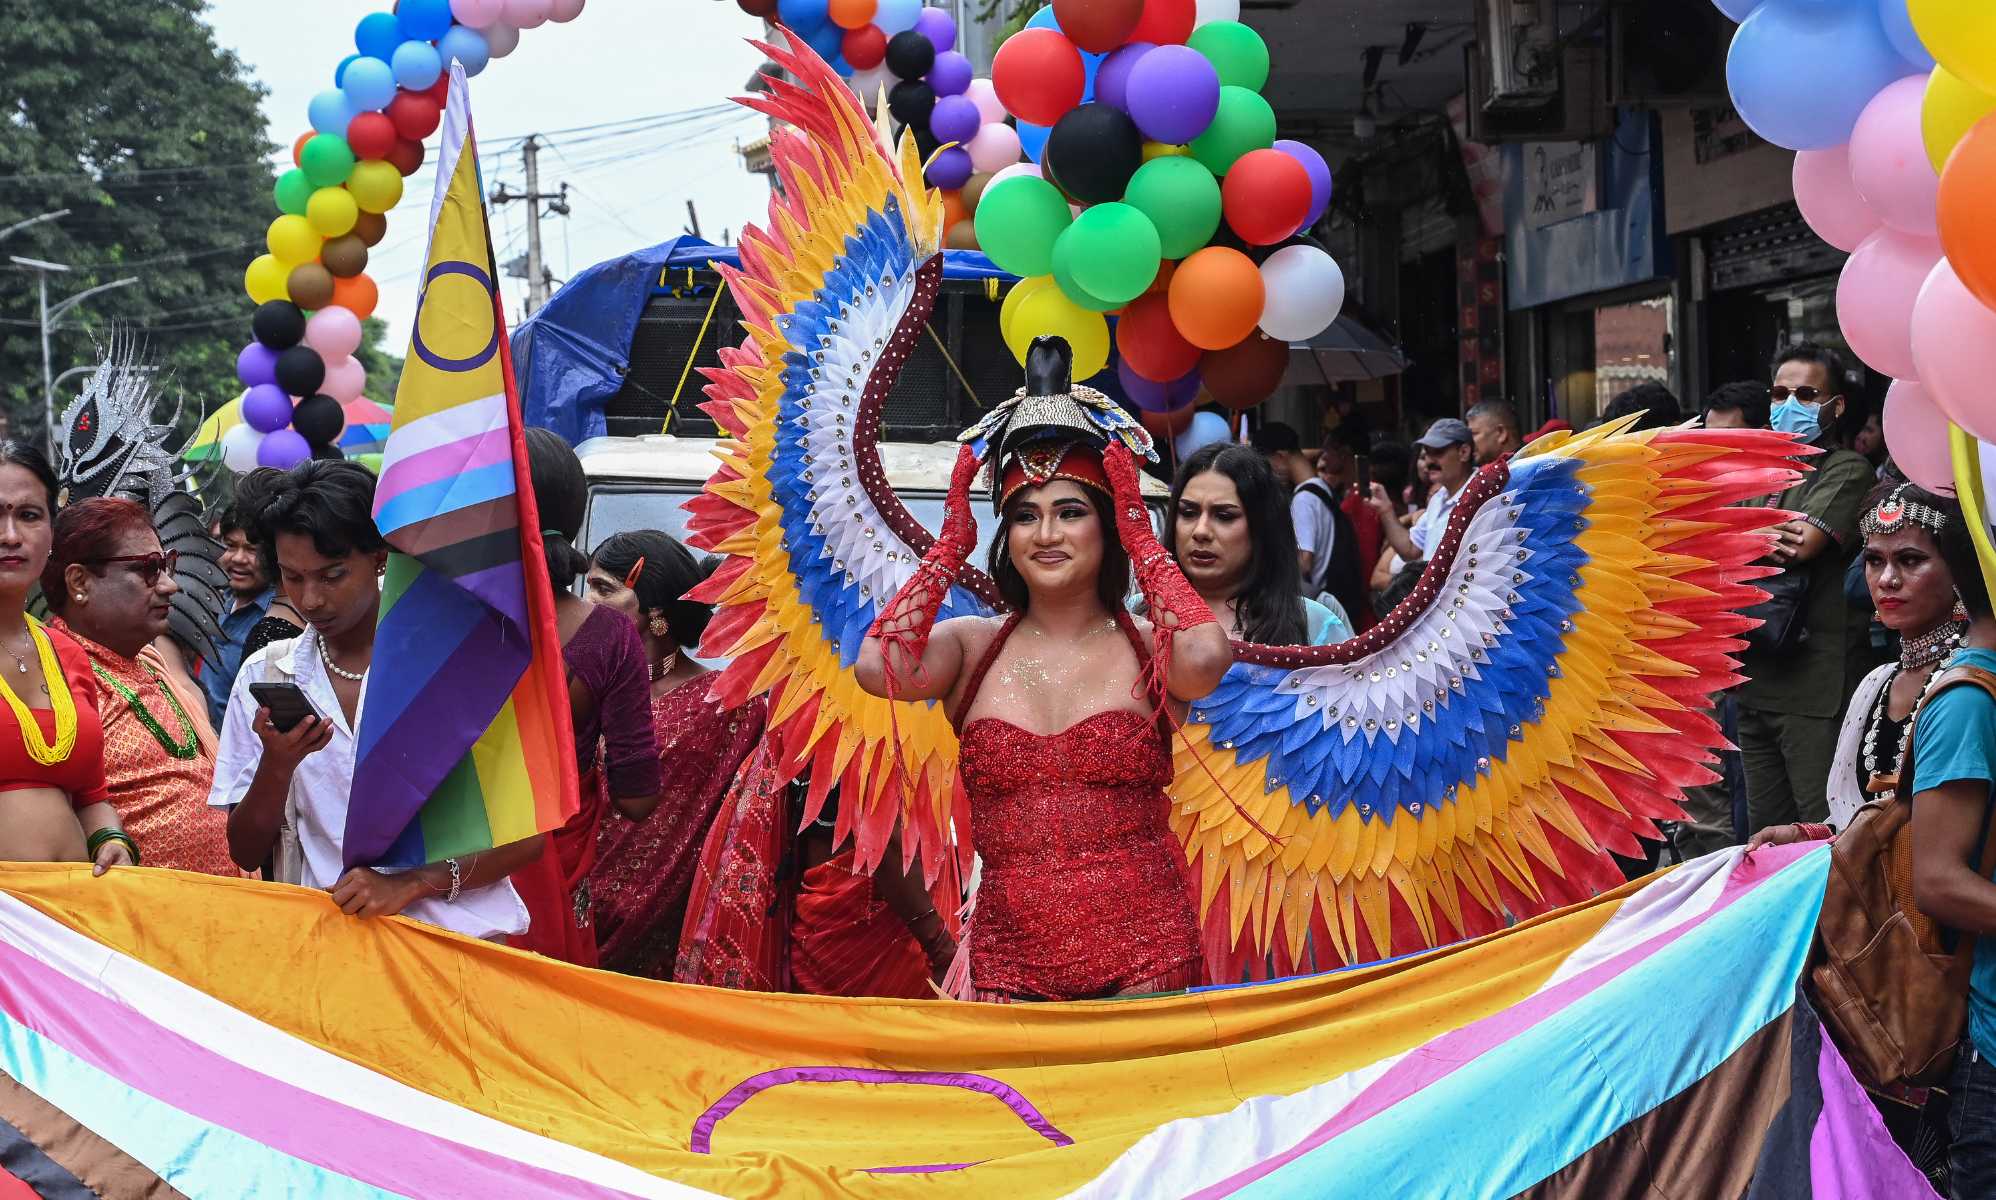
(1174, 605)
(903, 627)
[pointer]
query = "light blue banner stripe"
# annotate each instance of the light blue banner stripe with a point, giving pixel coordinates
(1534, 1104)
(446, 496)
(198, 1157)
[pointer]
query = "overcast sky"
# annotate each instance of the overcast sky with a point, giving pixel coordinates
(620, 61)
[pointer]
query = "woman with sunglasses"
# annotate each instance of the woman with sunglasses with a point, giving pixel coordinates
(109, 583)
(54, 806)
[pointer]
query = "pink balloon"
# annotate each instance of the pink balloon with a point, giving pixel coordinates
(565, 10)
(1875, 299)
(502, 39)
(475, 13)
(995, 147)
(1829, 200)
(345, 380)
(1916, 434)
(1954, 347)
(1888, 159)
(985, 97)
(525, 14)
(334, 332)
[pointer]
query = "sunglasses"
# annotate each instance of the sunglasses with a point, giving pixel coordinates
(148, 567)
(1807, 395)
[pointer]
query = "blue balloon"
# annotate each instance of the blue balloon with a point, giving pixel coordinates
(1206, 428)
(370, 85)
(423, 20)
(1090, 63)
(340, 72)
(840, 65)
(330, 112)
(827, 39)
(1900, 32)
(1738, 10)
(467, 47)
(417, 65)
(377, 35)
(805, 16)
(1847, 44)
(1033, 139)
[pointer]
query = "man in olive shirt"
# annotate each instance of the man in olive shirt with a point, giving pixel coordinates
(1793, 697)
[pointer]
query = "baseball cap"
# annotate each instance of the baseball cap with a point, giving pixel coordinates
(1445, 433)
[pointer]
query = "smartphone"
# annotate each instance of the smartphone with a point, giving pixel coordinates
(286, 702)
(1365, 477)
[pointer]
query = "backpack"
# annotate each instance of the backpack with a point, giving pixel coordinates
(1890, 983)
(1343, 574)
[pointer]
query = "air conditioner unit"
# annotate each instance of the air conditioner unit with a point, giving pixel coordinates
(1519, 42)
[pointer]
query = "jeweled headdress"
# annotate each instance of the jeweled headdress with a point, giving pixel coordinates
(1895, 512)
(1027, 439)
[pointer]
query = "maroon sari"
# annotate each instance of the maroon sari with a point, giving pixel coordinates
(644, 869)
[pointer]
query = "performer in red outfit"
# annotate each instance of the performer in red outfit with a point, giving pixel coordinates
(1063, 707)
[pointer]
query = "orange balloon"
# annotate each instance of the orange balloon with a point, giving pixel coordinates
(954, 209)
(357, 294)
(852, 14)
(961, 236)
(1967, 233)
(298, 147)
(1216, 297)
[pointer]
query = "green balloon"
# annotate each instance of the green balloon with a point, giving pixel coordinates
(1115, 252)
(327, 160)
(294, 192)
(1245, 122)
(1065, 250)
(1182, 200)
(1018, 221)
(1236, 52)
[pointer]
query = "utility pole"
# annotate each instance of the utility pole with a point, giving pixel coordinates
(52, 320)
(538, 278)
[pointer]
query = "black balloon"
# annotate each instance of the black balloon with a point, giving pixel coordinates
(328, 454)
(300, 371)
(926, 143)
(279, 324)
(318, 419)
(1093, 151)
(912, 101)
(910, 54)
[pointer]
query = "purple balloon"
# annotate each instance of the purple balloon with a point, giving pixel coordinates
(284, 449)
(1113, 77)
(267, 408)
(257, 364)
(937, 26)
(1320, 178)
(951, 74)
(1172, 93)
(1158, 397)
(950, 170)
(955, 119)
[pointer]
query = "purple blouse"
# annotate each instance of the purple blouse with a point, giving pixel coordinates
(606, 656)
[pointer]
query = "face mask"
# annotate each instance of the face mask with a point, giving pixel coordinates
(1793, 416)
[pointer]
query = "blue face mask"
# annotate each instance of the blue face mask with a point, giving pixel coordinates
(1803, 420)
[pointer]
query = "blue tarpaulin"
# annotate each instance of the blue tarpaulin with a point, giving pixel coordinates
(572, 355)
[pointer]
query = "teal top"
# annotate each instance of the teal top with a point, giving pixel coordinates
(1955, 740)
(1322, 625)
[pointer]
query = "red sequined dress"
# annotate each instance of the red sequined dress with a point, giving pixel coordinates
(1083, 890)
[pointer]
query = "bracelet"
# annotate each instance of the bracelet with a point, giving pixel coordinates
(103, 837)
(456, 881)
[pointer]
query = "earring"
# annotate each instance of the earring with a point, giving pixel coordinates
(658, 627)
(1960, 614)
(79, 597)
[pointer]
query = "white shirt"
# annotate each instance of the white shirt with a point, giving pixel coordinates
(317, 804)
(1434, 519)
(1316, 531)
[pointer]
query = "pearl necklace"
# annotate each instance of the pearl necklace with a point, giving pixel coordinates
(1878, 716)
(325, 656)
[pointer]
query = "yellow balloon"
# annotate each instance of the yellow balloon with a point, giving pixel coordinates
(1161, 150)
(1048, 311)
(1017, 296)
(292, 240)
(1951, 109)
(376, 184)
(332, 212)
(265, 280)
(1961, 34)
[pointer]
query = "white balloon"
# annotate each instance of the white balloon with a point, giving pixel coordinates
(1208, 11)
(984, 95)
(995, 147)
(239, 447)
(1013, 171)
(1305, 291)
(868, 83)
(565, 10)
(502, 38)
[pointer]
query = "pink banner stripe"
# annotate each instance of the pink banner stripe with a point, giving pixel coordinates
(174, 1070)
(442, 462)
(1444, 1055)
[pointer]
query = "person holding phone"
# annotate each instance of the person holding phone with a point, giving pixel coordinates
(286, 758)
(54, 806)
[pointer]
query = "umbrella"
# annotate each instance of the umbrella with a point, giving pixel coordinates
(367, 427)
(1348, 350)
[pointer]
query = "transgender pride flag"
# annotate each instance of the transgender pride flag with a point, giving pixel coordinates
(464, 738)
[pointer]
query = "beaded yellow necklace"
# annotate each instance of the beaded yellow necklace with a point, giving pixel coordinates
(60, 700)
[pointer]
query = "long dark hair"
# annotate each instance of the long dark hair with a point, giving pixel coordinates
(670, 572)
(1112, 585)
(331, 502)
(561, 492)
(1955, 543)
(1270, 602)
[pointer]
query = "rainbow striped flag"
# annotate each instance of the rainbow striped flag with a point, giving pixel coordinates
(464, 739)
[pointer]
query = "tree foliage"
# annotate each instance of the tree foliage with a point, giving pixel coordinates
(127, 113)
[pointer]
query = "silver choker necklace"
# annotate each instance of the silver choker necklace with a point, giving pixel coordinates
(1931, 647)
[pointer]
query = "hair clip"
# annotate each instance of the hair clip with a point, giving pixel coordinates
(631, 579)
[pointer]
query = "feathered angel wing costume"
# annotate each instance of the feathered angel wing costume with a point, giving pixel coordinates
(1538, 702)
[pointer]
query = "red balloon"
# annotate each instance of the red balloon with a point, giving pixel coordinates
(1165, 21)
(1266, 196)
(1243, 375)
(1166, 426)
(416, 117)
(1097, 26)
(757, 8)
(865, 47)
(1039, 76)
(440, 90)
(406, 157)
(371, 135)
(1151, 344)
